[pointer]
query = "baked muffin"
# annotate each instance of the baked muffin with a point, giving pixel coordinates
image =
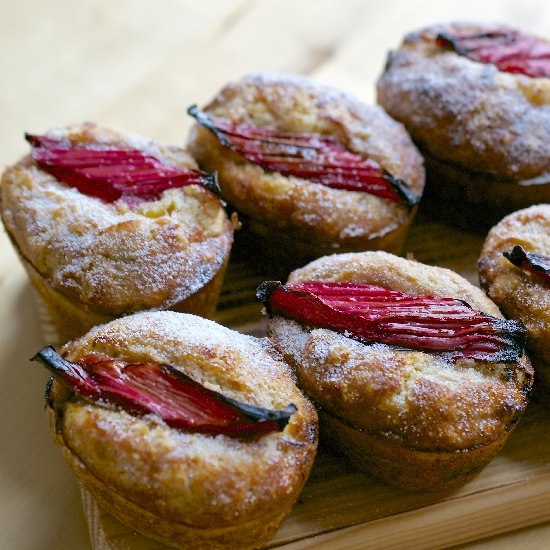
(476, 100)
(511, 254)
(107, 224)
(160, 451)
(310, 169)
(411, 383)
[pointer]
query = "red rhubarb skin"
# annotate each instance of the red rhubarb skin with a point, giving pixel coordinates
(422, 400)
(538, 265)
(149, 388)
(304, 218)
(307, 156)
(373, 314)
(508, 49)
(107, 172)
(177, 476)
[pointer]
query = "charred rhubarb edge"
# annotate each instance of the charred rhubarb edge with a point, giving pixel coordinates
(306, 156)
(374, 314)
(148, 388)
(537, 264)
(507, 49)
(112, 173)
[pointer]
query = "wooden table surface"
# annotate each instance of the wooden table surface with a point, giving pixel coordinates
(136, 65)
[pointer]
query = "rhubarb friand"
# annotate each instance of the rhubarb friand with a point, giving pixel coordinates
(107, 224)
(418, 378)
(310, 169)
(184, 430)
(514, 269)
(476, 100)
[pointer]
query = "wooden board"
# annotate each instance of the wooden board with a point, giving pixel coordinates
(342, 508)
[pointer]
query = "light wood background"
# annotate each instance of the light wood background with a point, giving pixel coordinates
(136, 65)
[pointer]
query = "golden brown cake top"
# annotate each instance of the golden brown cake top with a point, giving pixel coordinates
(115, 257)
(465, 111)
(296, 104)
(420, 398)
(518, 293)
(199, 479)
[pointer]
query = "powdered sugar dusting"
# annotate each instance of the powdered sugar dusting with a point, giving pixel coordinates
(320, 215)
(468, 112)
(193, 475)
(519, 294)
(421, 397)
(427, 401)
(222, 359)
(111, 257)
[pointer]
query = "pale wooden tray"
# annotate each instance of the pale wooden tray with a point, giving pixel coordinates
(341, 508)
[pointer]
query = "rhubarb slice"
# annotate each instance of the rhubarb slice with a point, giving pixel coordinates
(507, 49)
(373, 314)
(148, 388)
(307, 156)
(111, 173)
(537, 264)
